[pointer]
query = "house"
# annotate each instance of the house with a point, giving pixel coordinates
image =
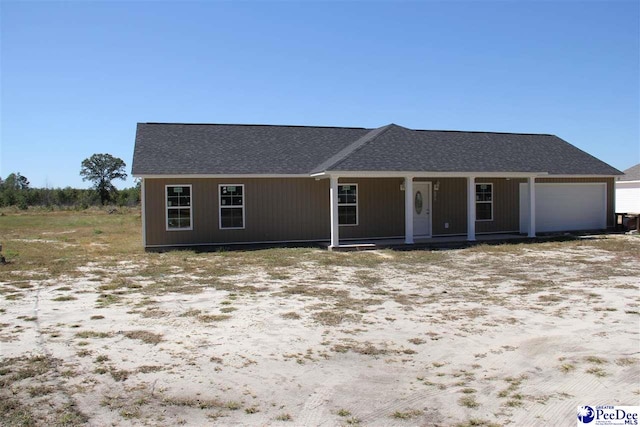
(224, 184)
(628, 197)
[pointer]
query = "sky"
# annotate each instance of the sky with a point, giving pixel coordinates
(76, 76)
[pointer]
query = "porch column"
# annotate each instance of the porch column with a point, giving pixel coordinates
(408, 210)
(333, 199)
(471, 208)
(531, 181)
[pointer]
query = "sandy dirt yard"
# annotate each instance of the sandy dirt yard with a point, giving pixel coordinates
(491, 335)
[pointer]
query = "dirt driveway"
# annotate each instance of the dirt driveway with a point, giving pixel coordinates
(510, 334)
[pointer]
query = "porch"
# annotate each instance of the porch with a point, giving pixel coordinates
(475, 201)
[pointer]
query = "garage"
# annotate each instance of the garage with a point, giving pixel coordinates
(565, 207)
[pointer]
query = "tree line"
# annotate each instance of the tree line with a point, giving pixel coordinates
(100, 169)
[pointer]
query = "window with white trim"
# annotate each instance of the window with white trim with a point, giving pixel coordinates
(484, 202)
(348, 204)
(178, 211)
(231, 202)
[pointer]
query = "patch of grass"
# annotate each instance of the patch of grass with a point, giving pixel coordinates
(144, 336)
(626, 361)
(251, 410)
(14, 413)
(71, 416)
(406, 415)
(335, 317)
(595, 360)
(598, 372)
(40, 390)
(513, 403)
(343, 413)
(92, 334)
(119, 374)
(468, 390)
(105, 300)
(68, 373)
(227, 309)
(567, 367)
(469, 402)
(365, 348)
(551, 298)
(290, 315)
(477, 422)
(97, 317)
(208, 318)
(233, 405)
(284, 417)
(102, 358)
(64, 298)
(146, 369)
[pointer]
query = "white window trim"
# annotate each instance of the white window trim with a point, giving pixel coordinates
(220, 207)
(167, 207)
(491, 202)
(350, 204)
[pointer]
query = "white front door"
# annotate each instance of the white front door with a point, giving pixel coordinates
(421, 209)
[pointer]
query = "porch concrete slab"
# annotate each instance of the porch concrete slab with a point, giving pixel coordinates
(444, 242)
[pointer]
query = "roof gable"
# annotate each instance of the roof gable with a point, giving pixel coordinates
(402, 149)
(203, 149)
(631, 174)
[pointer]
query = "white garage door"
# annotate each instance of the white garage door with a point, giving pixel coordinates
(565, 207)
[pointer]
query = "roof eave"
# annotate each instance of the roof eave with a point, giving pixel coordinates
(219, 175)
(430, 174)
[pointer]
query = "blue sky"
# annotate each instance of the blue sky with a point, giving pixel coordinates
(76, 77)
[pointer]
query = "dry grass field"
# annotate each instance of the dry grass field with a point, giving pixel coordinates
(93, 330)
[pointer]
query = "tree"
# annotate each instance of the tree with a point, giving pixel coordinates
(14, 191)
(101, 169)
(16, 181)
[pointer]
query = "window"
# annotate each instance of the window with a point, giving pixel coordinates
(231, 206)
(348, 204)
(484, 202)
(178, 207)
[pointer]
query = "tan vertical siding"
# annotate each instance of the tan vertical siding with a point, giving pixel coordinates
(380, 208)
(275, 209)
(291, 209)
(506, 206)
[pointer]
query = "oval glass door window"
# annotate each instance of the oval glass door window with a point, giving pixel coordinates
(418, 202)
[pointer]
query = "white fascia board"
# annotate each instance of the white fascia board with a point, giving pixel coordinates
(427, 174)
(222, 176)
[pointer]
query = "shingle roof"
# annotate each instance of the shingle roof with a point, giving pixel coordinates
(631, 174)
(174, 149)
(177, 149)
